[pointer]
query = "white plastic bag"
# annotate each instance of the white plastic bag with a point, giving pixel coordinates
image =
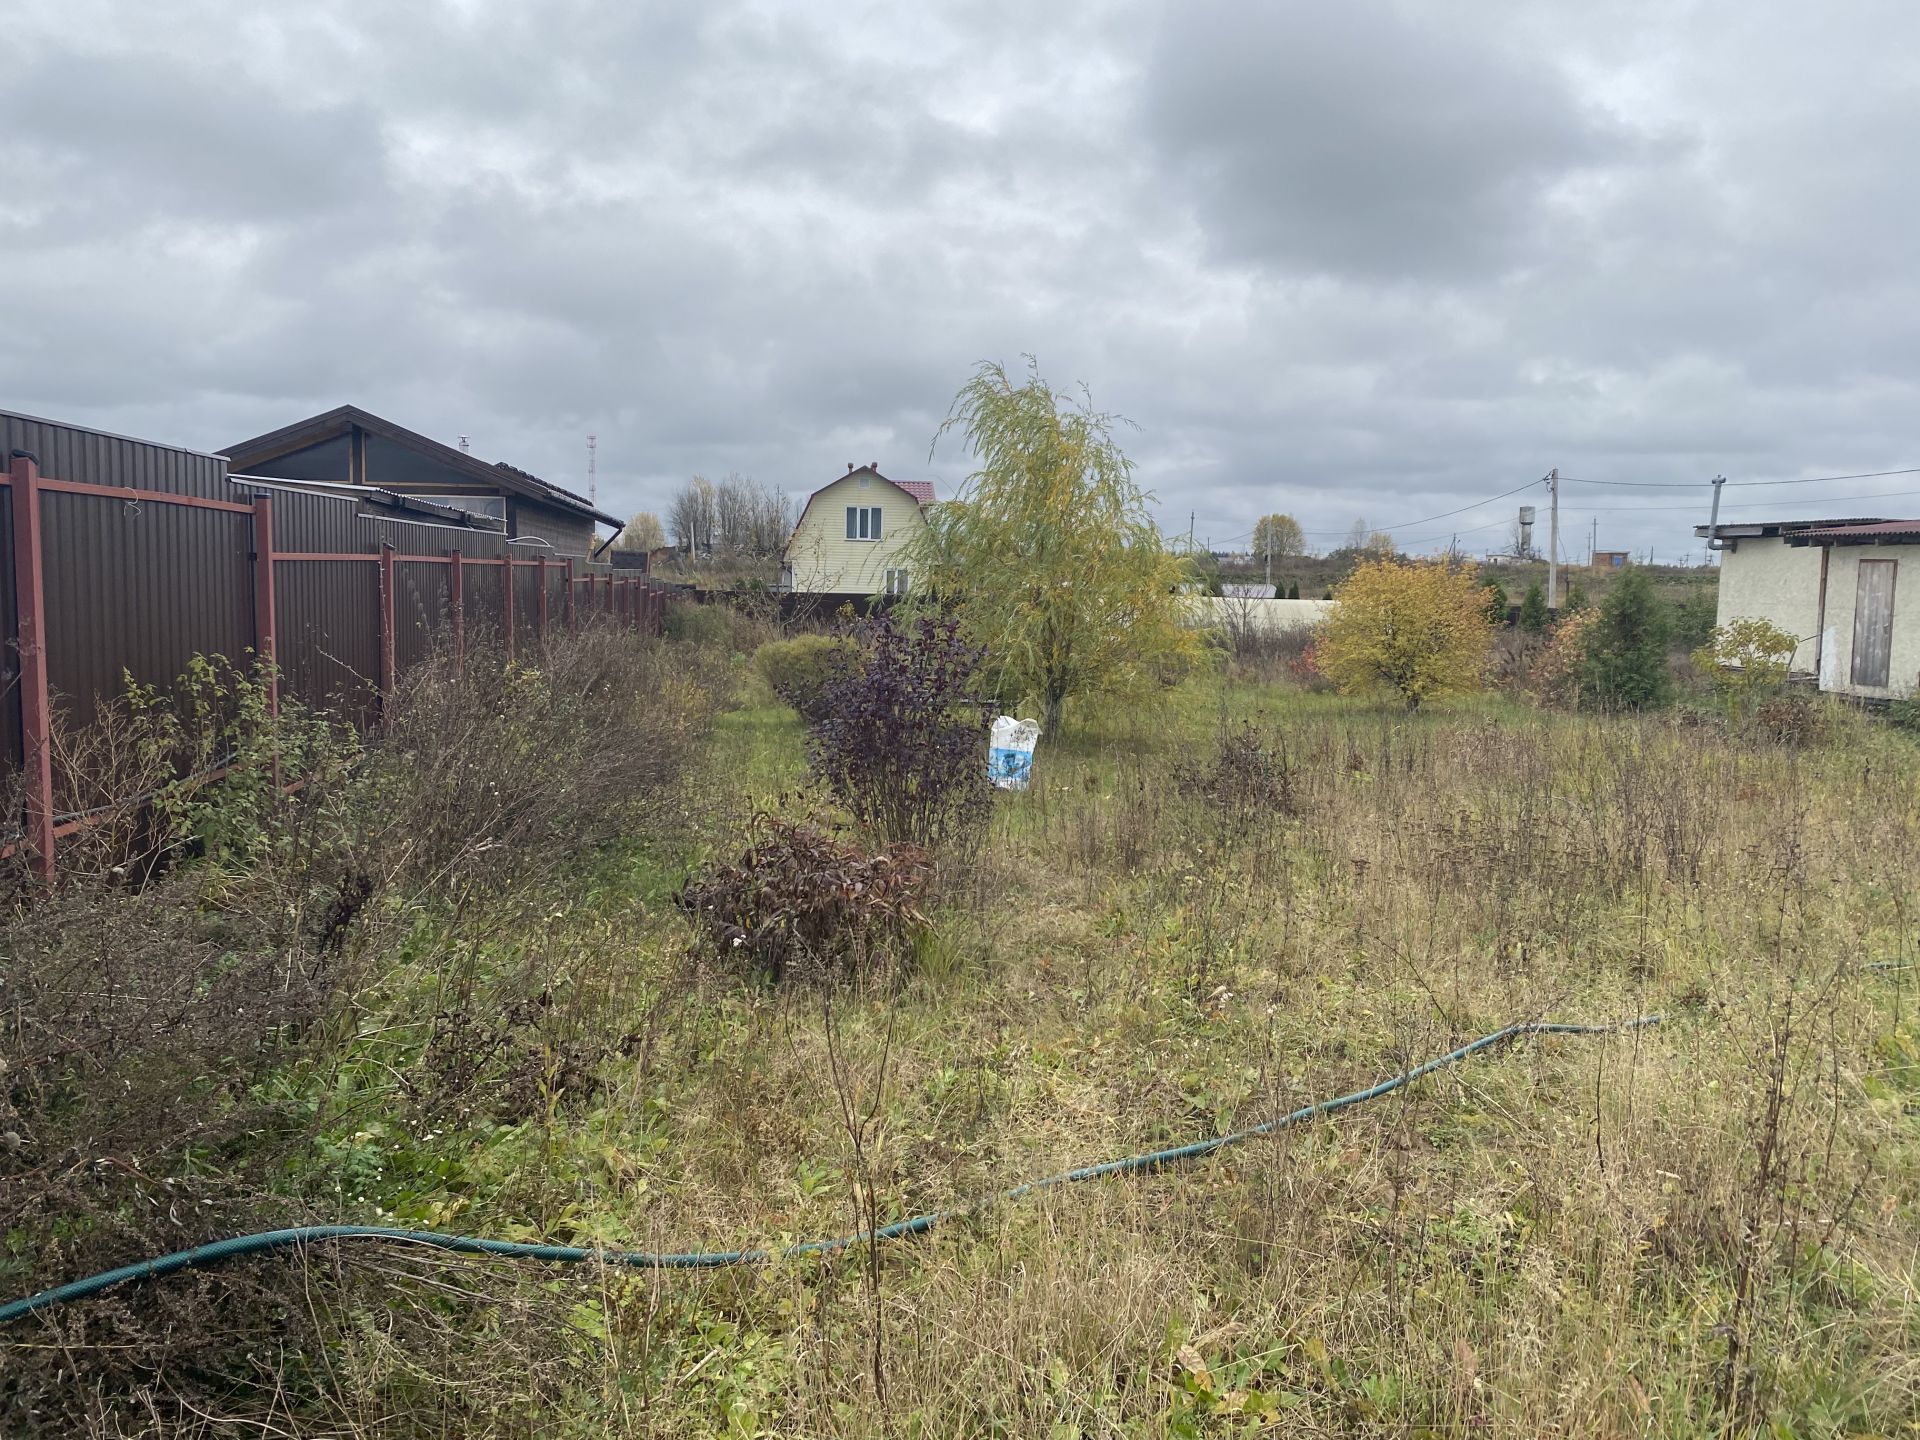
(1010, 752)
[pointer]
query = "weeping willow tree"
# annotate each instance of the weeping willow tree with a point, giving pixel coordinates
(1049, 557)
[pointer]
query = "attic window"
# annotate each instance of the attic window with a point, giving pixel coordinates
(864, 480)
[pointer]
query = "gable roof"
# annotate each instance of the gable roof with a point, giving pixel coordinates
(316, 428)
(918, 491)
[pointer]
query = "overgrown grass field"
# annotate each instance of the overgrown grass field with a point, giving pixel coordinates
(1200, 917)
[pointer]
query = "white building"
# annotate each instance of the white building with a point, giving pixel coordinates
(850, 535)
(1834, 584)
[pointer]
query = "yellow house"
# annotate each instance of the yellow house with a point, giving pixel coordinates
(850, 534)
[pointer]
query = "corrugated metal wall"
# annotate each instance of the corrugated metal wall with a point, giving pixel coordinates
(139, 588)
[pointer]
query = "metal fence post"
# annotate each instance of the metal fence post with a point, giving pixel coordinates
(30, 613)
(457, 604)
(266, 642)
(540, 605)
(566, 604)
(506, 587)
(386, 632)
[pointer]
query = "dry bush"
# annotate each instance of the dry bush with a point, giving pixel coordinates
(173, 1050)
(489, 776)
(140, 1025)
(1249, 779)
(1266, 655)
(798, 904)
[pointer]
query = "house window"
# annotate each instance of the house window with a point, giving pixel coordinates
(1873, 623)
(896, 582)
(863, 522)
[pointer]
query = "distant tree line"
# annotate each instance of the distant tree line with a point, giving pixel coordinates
(736, 517)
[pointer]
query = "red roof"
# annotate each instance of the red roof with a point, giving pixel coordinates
(921, 490)
(1889, 532)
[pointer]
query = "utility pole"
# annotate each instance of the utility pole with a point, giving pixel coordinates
(1553, 539)
(1269, 554)
(593, 487)
(1190, 515)
(1593, 540)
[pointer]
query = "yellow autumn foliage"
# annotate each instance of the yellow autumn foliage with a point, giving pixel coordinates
(1419, 630)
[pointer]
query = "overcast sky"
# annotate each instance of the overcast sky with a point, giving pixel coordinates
(1343, 258)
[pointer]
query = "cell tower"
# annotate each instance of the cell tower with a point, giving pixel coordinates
(593, 485)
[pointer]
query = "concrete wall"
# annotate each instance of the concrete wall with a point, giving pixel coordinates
(1843, 579)
(1771, 580)
(821, 556)
(1258, 616)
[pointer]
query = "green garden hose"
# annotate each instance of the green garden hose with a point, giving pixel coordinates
(301, 1236)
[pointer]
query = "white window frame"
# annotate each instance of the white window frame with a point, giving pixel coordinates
(863, 522)
(896, 581)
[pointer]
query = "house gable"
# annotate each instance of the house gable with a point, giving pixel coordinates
(821, 556)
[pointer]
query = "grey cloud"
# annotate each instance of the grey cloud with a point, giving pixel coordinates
(1334, 259)
(1355, 140)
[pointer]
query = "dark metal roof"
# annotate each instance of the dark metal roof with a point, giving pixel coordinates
(337, 421)
(430, 510)
(1770, 529)
(1869, 532)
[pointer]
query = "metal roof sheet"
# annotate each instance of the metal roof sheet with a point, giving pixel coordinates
(1876, 532)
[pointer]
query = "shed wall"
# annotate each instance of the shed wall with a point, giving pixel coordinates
(1768, 579)
(1843, 579)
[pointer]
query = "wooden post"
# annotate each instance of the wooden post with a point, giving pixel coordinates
(386, 632)
(30, 614)
(540, 603)
(506, 571)
(566, 605)
(457, 603)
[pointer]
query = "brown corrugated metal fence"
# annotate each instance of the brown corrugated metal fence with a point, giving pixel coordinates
(137, 557)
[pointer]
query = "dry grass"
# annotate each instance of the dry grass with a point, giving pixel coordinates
(1708, 1227)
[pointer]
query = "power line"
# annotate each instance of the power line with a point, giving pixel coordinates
(1690, 484)
(1443, 515)
(1441, 535)
(1821, 500)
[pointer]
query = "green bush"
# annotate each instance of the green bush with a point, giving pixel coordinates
(800, 669)
(1746, 662)
(692, 623)
(1497, 602)
(1694, 619)
(1625, 666)
(1533, 609)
